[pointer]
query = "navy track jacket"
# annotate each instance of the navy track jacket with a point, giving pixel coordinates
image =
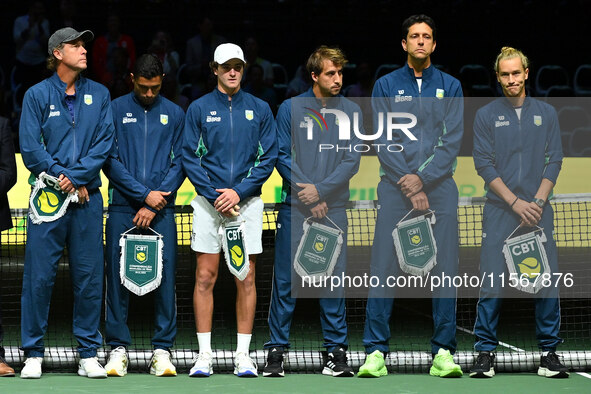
(146, 154)
(439, 109)
(229, 144)
(52, 142)
(519, 151)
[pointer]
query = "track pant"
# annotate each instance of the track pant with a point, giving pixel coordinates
(117, 331)
(392, 207)
(498, 223)
(81, 229)
(332, 310)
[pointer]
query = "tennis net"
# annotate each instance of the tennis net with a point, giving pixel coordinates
(411, 323)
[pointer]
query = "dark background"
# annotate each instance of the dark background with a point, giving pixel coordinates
(468, 32)
(549, 32)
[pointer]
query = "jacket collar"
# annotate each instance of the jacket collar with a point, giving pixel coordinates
(427, 73)
(149, 107)
(507, 103)
(61, 85)
(223, 97)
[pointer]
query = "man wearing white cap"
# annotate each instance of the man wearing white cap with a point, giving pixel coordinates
(229, 151)
(66, 131)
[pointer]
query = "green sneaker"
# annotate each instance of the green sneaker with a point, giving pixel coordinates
(444, 366)
(374, 366)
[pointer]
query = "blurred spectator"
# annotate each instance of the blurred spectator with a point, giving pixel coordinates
(30, 33)
(364, 83)
(199, 51)
(162, 47)
(257, 87)
(119, 81)
(251, 52)
(299, 84)
(103, 60)
(170, 90)
(66, 16)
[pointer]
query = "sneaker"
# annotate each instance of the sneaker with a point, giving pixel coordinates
(336, 364)
(274, 366)
(444, 366)
(551, 367)
(160, 364)
(244, 367)
(5, 369)
(202, 366)
(91, 368)
(118, 361)
(32, 368)
(374, 366)
(483, 367)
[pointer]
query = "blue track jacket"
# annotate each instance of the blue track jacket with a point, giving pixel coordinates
(51, 141)
(520, 152)
(146, 154)
(439, 109)
(229, 144)
(299, 159)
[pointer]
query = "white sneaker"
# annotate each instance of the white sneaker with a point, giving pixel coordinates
(32, 368)
(160, 364)
(91, 367)
(244, 367)
(202, 365)
(118, 361)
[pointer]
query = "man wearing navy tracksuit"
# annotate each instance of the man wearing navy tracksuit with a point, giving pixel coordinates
(66, 130)
(144, 170)
(419, 177)
(229, 151)
(321, 184)
(518, 153)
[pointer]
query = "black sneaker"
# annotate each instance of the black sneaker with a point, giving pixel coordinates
(274, 366)
(551, 367)
(336, 364)
(483, 367)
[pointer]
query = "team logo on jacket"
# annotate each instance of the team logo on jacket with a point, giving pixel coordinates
(400, 98)
(164, 119)
(128, 118)
(52, 111)
(501, 122)
(537, 120)
(88, 99)
(249, 114)
(439, 93)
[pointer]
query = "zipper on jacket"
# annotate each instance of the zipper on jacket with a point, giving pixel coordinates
(74, 158)
(231, 146)
(419, 157)
(145, 142)
(520, 144)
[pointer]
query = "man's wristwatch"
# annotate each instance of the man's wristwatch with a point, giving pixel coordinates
(540, 202)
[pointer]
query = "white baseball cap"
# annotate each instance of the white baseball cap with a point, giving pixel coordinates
(225, 52)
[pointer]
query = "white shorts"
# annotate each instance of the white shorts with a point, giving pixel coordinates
(206, 223)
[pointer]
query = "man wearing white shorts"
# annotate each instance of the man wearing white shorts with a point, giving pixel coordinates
(206, 221)
(229, 151)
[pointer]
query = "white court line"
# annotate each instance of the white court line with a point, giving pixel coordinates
(514, 348)
(584, 374)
